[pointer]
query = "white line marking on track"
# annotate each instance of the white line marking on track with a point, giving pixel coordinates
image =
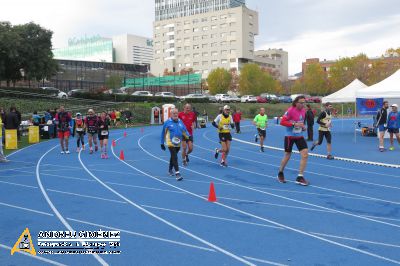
(223, 251)
(209, 216)
(358, 240)
(294, 200)
(85, 196)
(148, 188)
(311, 172)
(54, 209)
(25, 209)
(16, 184)
(142, 235)
(265, 261)
(34, 257)
(252, 215)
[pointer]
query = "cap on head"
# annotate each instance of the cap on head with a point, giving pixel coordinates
(226, 107)
(394, 105)
(78, 114)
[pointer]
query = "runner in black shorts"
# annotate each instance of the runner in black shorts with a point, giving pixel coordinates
(103, 125)
(224, 123)
(325, 125)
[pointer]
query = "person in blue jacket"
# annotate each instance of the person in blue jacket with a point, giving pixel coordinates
(172, 135)
(393, 124)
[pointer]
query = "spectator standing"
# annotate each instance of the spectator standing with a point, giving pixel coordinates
(381, 124)
(310, 123)
(237, 117)
(2, 157)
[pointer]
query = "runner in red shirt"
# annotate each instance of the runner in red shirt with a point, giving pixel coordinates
(237, 116)
(189, 120)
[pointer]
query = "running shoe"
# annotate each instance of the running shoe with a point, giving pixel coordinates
(67, 152)
(83, 147)
(255, 138)
(301, 181)
(187, 158)
(184, 162)
(262, 149)
(391, 148)
(171, 172)
(381, 149)
(62, 152)
(313, 146)
(281, 177)
(91, 151)
(216, 153)
(105, 156)
(4, 160)
(102, 156)
(330, 157)
(77, 149)
(96, 148)
(178, 177)
(224, 164)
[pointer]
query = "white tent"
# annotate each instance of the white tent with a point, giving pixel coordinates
(387, 89)
(345, 95)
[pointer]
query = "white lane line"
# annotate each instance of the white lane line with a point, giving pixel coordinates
(25, 209)
(142, 235)
(54, 209)
(16, 184)
(15, 169)
(323, 156)
(297, 160)
(209, 216)
(223, 251)
(358, 240)
(250, 214)
(34, 257)
(30, 146)
(265, 261)
(311, 172)
(290, 199)
(85, 196)
(148, 188)
(314, 186)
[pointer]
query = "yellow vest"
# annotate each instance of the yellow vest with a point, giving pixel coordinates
(224, 124)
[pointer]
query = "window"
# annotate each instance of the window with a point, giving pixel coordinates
(157, 27)
(233, 60)
(214, 44)
(205, 54)
(187, 22)
(204, 45)
(214, 53)
(213, 27)
(196, 55)
(186, 40)
(204, 37)
(195, 38)
(233, 42)
(233, 33)
(195, 21)
(157, 43)
(251, 24)
(171, 37)
(224, 16)
(204, 20)
(171, 53)
(187, 65)
(158, 51)
(171, 45)
(156, 35)
(250, 35)
(195, 29)
(224, 61)
(214, 62)
(204, 63)
(213, 18)
(223, 34)
(187, 56)
(224, 52)
(196, 64)
(233, 51)
(224, 43)
(179, 40)
(205, 28)
(171, 29)
(205, 71)
(224, 25)
(187, 31)
(186, 48)
(213, 36)
(179, 49)
(232, 24)
(250, 16)
(196, 46)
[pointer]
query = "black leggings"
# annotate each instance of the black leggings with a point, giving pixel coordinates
(326, 134)
(173, 161)
(80, 139)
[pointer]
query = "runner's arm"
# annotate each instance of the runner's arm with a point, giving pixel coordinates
(286, 122)
(320, 117)
(163, 132)
(215, 123)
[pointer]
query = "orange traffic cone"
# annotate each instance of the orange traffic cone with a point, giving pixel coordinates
(122, 156)
(211, 196)
(125, 134)
(114, 143)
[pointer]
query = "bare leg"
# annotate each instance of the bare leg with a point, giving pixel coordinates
(285, 160)
(303, 161)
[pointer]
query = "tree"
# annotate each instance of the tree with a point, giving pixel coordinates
(10, 60)
(234, 86)
(315, 80)
(219, 81)
(253, 80)
(113, 82)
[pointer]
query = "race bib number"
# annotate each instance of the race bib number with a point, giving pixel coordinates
(297, 130)
(104, 133)
(225, 127)
(176, 141)
(79, 129)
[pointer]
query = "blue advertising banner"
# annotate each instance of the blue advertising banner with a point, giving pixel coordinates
(368, 106)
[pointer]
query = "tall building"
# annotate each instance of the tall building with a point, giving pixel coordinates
(168, 9)
(205, 40)
(123, 49)
(274, 59)
(132, 49)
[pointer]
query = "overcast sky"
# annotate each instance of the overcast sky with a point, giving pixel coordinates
(327, 29)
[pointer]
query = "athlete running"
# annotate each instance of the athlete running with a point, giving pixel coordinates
(62, 121)
(293, 120)
(173, 132)
(223, 123)
(188, 118)
(92, 128)
(325, 125)
(103, 124)
(79, 131)
(394, 125)
(261, 122)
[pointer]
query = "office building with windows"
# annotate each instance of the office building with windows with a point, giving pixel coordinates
(222, 37)
(276, 60)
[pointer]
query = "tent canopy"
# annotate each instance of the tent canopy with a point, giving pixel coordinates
(387, 89)
(345, 95)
